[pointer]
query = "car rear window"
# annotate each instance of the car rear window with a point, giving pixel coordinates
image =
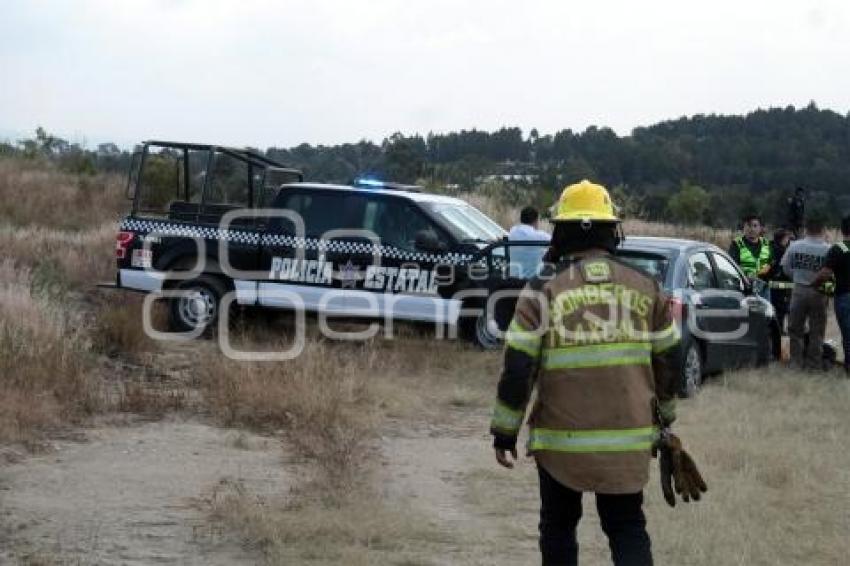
(655, 265)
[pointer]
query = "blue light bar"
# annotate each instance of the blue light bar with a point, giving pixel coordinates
(369, 182)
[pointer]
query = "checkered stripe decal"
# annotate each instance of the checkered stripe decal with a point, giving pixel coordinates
(190, 231)
(362, 248)
(253, 238)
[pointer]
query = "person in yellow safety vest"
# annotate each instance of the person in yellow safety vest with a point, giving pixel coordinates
(597, 338)
(752, 253)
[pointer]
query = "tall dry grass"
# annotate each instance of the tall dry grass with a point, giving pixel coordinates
(331, 405)
(57, 235)
(331, 399)
(507, 215)
(35, 193)
(773, 445)
(326, 408)
(719, 236)
(44, 380)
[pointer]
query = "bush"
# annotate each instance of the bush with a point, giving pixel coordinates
(689, 206)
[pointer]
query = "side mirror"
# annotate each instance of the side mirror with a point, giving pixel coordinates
(427, 241)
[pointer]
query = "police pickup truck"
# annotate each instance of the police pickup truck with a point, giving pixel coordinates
(209, 220)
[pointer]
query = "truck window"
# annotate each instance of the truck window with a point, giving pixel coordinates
(159, 180)
(171, 182)
(230, 183)
(321, 211)
(396, 222)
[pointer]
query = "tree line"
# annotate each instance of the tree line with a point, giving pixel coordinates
(700, 169)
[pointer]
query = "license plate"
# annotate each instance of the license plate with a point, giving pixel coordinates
(141, 258)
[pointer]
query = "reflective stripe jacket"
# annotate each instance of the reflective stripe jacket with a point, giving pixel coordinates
(599, 338)
(751, 264)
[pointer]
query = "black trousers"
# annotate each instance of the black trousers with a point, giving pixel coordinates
(621, 516)
(781, 301)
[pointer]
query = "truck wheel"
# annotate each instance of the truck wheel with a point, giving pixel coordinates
(483, 334)
(692, 370)
(199, 306)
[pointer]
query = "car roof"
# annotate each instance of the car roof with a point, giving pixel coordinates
(409, 195)
(660, 244)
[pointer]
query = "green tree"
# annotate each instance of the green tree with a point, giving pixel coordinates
(689, 206)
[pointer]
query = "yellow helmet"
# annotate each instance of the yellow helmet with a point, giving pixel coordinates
(585, 201)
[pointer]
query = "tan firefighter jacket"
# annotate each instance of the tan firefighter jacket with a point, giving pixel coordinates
(600, 340)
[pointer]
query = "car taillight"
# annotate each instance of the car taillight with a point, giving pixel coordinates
(122, 243)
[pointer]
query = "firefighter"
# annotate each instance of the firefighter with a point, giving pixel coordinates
(597, 338)
(780, 288)
(751, 251)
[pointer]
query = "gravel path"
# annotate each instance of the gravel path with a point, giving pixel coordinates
(131, 495)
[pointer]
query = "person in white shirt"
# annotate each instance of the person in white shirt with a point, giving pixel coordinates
(802, 261)
(526, 260)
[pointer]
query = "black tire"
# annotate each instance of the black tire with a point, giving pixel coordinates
(477, 331)
(693, 369)
(199, 307)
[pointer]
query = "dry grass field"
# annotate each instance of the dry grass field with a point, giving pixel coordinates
(117, 449)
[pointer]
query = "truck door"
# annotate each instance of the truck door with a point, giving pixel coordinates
(403, 280)
(511, 264)
(308, 264)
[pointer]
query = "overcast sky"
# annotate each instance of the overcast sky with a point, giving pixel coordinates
(281, 73)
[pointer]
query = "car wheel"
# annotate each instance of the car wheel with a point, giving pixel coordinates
(485, 333)
(197, 308)
(692, 370)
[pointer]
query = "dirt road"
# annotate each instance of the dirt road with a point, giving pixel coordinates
(131, 495)
(134, 494)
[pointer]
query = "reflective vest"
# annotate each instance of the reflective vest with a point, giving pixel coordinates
(750, 264)
(593, 422)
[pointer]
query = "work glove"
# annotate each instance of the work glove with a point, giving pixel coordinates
(678, 470)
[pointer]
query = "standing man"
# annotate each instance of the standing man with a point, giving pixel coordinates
(525, 259)
(780, 288)
(797, 211)
(837, 267)
(528, 227)
(598, 338)
(802, 262)
(752, 253)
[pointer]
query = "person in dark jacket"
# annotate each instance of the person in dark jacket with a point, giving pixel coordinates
(837, 269)
(797, 212)
(780, 288)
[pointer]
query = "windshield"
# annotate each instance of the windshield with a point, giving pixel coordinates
(655, 265)
(467, 223)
